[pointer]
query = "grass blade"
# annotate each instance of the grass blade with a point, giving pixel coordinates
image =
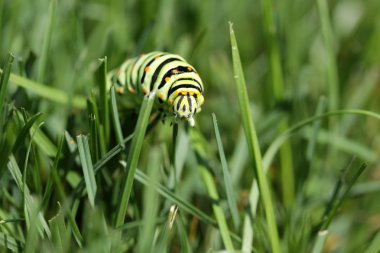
(50, 93)
(150, 207)
(115, 117)
(101, 79)
(133, 157)
(211, 189)
(374, 247)
(253, 145)
(46, 42)
(227, 177)
(286, 156)
(10, 243)
(88, 170)
(4, 86)
(331, 66)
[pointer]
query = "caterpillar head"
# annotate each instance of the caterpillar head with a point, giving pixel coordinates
(186, 106)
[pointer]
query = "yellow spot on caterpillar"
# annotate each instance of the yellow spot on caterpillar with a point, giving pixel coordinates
(176, 93)
(170, 102)
(191, 93)
(183, 93)
(174, 71)
(157, 57)
(161, 96)
(120, 90)
(145, 91)
(147, 69)
(167, 79)
(131, 90)
(189, 69)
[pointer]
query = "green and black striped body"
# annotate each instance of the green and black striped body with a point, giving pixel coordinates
(174, 82)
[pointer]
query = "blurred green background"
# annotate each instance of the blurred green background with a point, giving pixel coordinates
(333, 58)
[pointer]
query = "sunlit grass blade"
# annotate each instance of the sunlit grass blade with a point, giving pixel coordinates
(133, 157)
(50, 93)
(253, 145)
(101, 79)
(88, 170)
(227, 177)
(43, 141)
(46, 41)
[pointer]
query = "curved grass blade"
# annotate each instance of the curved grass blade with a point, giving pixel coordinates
(88, 170)
(276, 144)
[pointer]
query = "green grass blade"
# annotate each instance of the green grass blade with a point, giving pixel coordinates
(253, 145)
(43, 142)
(275, 145)
(88, 170)
(150, 206)
(331, 66)
(167, 194)
(227, 177)
(218, 211)
(17, 177)
(336, 202)
(287, 173)
(50, 93)
(374, 246)
(115, 117)
(101, 79)
(9, 242)
(46, 42)
(4, 78)
(60, 233)
(320, 242)
(25, 132)
(316, 127)
(133, 156)
(54, 178)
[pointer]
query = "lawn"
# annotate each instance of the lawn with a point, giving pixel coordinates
(284, 156)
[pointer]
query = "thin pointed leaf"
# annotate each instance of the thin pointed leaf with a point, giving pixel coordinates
(88, 170)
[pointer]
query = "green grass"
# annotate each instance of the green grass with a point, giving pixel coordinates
(284, 156)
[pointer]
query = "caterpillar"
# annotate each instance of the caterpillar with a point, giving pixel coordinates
(174, 82)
